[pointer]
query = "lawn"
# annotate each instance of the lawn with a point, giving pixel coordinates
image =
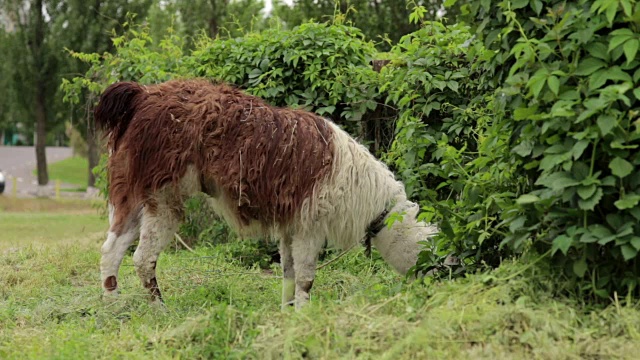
(36, 222)
(216, 307)
(72, 171)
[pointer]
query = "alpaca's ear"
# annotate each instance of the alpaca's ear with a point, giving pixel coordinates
(116, 107)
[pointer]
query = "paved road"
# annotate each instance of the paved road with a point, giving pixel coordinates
(20, 161)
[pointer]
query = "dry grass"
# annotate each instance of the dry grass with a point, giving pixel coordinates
(11, 204)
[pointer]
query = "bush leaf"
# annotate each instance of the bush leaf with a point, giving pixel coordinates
(628, 252)
(580, 267)
(630, 49)
(627, 201)
(554, 84)
(562, 243)
(527, 199)
(620, 167)
(588, 66)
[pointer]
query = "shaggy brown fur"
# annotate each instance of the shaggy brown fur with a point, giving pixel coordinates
(267, 160)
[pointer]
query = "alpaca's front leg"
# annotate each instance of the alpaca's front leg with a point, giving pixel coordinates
(288, 274)
(305, 253)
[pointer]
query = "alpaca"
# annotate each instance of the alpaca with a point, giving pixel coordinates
(267, 171)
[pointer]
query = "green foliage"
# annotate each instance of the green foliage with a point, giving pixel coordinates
(383, 21)
(252, 253)
(582, 139)
(522, 137)
(201, 224)
(569, 74)
(449, 149)
(434, 77)
(320, 67)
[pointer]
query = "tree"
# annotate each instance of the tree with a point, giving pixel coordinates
(5, 118)
(40, 73)
(378, 19)
(217, 17)
(87, 28)
(33, 66)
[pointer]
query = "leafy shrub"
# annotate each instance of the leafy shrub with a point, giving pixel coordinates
(432, 81)
(570, 73)
(449, 145)
(320, 67)
(136, 57)
(201, 224)
(254, 252)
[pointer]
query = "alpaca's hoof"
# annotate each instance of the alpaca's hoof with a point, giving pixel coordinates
(158, 304)
(110, 296)
(301, 301)
(287, 305)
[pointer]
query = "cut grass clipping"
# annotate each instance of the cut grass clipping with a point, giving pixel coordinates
(51, 307)
(72, 171)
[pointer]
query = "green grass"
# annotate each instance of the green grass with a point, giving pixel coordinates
(19, 229)
(64, 221)
(51, 308)
(72, 171)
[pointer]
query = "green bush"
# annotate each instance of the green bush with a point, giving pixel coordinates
(320, 67)
(449, 144)
(434, 81)
(521, 136)
(201, 225)
(570, 73)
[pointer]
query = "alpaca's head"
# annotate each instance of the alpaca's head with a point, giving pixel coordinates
(399, 244)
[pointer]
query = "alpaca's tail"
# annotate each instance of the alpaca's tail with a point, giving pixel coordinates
(116, 108)
(398, 245)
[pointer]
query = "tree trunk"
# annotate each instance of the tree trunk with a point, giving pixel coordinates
(213, 18)
(218, 10)
(93, 148)
(343, 7)
(213, 26)
(41, 137)
(41, 101)
(93, 153)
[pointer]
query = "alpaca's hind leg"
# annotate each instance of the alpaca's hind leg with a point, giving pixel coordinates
(288, 273)
(156, 231)
(305, 253)
(119, 238)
